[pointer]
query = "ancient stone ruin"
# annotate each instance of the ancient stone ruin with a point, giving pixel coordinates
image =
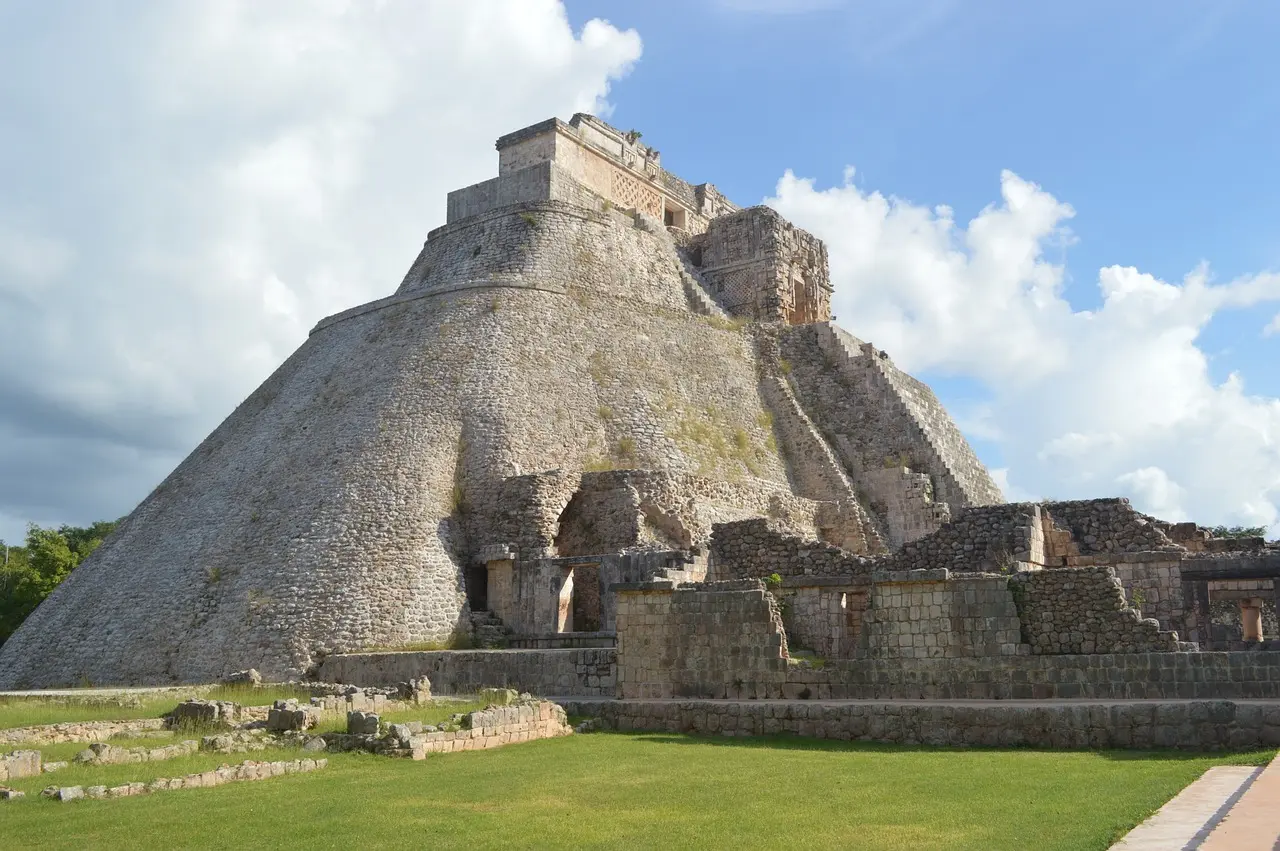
(608, 423)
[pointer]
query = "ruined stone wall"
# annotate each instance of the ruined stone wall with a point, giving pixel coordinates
(761, 266)
(1083, 610)
(1152, 584)
(699, 641)
(824, 616)
(1101, 526)
(585, 673)
(754, 549)
(924, 614)
(984, 539)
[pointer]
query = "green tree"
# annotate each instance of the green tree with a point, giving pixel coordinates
(29, 573)
(1237, 531)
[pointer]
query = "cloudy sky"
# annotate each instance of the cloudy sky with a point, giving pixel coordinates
(1065, 217)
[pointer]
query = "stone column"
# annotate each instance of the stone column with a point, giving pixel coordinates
(1251, 618)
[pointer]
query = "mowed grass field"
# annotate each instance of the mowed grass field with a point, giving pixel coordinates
(613, 790)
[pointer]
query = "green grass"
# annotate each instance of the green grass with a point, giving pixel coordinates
(645, 791)
(28, 712)
(437, 712)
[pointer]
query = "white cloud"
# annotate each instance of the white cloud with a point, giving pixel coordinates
(1153, 488)
(1273, 327)
(1082, 403)
(221, 176)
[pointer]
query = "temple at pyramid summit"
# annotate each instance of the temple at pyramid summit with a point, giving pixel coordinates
(607, 424)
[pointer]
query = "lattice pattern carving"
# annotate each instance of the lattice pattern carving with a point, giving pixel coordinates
(630, 193)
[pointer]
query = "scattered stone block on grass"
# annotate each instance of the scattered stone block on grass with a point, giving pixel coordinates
(204, 713)
(19, 764)
(287, 715)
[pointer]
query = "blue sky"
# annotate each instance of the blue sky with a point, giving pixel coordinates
(1032, 185)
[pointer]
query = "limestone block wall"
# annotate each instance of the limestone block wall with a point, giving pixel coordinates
(761, 266)
(754, 549)
(711, 640)
(1192, 725)
(925, 614)
(1253, 675)
(611, 165)
(544, 181)
(1083, 610)
(823, 615)
(984, 539)
(1152, 584)
(585, 672)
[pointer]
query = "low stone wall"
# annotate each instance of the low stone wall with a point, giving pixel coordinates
(491, 727)
(102, 753)
(1083, 610)
(1153, 676)
(247, 770)
(1190, 725)
(699, 640)
(580, 672)
(494, 727)
(79, 731)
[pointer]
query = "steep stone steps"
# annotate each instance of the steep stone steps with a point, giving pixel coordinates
(488, 631)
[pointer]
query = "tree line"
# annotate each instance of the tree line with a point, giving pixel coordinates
(30, 572)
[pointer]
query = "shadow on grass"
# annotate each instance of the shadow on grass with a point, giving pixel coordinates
(805, 743)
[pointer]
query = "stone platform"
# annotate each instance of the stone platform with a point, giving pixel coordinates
(1132, 724)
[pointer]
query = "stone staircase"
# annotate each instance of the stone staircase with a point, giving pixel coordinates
(847, 353)
(696, 289)
(488, 631)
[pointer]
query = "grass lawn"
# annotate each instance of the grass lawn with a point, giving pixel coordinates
(644, 791)
(28, 712)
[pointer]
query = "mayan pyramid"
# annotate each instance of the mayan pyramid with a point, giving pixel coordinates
(591, 356)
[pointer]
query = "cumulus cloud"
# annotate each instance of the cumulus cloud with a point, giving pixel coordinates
(1273, 327)
(187, 197)
(1081, 402)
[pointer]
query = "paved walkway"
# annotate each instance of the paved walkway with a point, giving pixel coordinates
(1230, 808)
(1254, 822)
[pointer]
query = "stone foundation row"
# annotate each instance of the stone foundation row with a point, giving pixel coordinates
(245, 771)
(1190, 725)
(492, 727)
(79, 731)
